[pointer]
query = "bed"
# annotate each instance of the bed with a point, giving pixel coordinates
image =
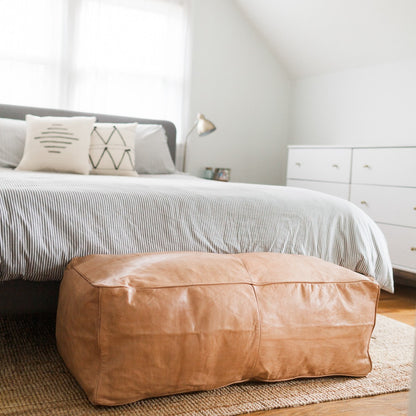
(48, 218)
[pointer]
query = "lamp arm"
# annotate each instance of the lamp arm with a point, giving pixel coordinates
(185, 147)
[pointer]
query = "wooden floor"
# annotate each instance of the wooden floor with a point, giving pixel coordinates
(400, 306)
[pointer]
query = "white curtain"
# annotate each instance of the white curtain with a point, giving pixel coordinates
(122, 57)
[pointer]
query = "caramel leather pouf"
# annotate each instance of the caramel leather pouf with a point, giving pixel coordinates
(136, 326)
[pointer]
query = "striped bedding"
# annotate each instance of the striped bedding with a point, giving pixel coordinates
(47, 219)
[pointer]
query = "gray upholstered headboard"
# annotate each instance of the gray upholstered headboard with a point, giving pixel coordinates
(19, 112)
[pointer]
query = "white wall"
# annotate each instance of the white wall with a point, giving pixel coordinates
(237, 82)
(374, 105)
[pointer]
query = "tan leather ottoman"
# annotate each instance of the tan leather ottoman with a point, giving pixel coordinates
(135, 326)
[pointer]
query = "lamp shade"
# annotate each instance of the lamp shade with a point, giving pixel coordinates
(204, 126)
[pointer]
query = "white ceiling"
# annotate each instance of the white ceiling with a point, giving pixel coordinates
(315, 36)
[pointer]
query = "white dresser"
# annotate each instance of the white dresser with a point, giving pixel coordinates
(380, 180)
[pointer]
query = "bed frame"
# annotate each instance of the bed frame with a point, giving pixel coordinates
(24, 296)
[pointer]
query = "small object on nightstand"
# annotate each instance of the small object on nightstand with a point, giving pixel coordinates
(222, 174)
(208, 173)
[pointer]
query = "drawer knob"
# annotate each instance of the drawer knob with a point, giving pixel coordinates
(413, 248)
(367, 166)
(364, 203)
(297, 163)
(335, 166)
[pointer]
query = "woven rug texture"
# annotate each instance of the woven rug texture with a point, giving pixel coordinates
(34, 380)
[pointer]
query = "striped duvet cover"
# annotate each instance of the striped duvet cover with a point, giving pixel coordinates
(49, 218)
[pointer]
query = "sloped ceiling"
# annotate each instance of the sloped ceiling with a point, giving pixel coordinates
(311, 37)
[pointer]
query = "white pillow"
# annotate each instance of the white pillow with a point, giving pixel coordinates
(152, 151)
(12, 142)
(112, 149)
(58, 144)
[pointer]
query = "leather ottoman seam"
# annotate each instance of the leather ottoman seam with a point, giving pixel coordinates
(218, 284)
(99, 346)
(256, 360)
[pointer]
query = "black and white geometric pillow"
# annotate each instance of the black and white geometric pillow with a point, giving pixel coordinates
(112, 149)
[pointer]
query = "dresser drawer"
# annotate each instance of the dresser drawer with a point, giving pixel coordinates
(385, 166)
(386, 204)
(340, 190)
(331, 165)
(402, 246)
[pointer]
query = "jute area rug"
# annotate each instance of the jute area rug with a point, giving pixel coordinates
(34, 380)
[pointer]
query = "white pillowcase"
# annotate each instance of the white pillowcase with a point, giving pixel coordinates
(58, 144)
(112, 149)
(12, 142)
(152, 151)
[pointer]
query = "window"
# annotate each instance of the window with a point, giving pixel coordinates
(113, 56)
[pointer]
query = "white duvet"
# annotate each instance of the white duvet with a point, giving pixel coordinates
(47, 219)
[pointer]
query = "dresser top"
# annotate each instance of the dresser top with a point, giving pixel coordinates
(292, 146)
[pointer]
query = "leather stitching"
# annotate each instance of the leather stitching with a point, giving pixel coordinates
(256, 360)
(99, 346)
